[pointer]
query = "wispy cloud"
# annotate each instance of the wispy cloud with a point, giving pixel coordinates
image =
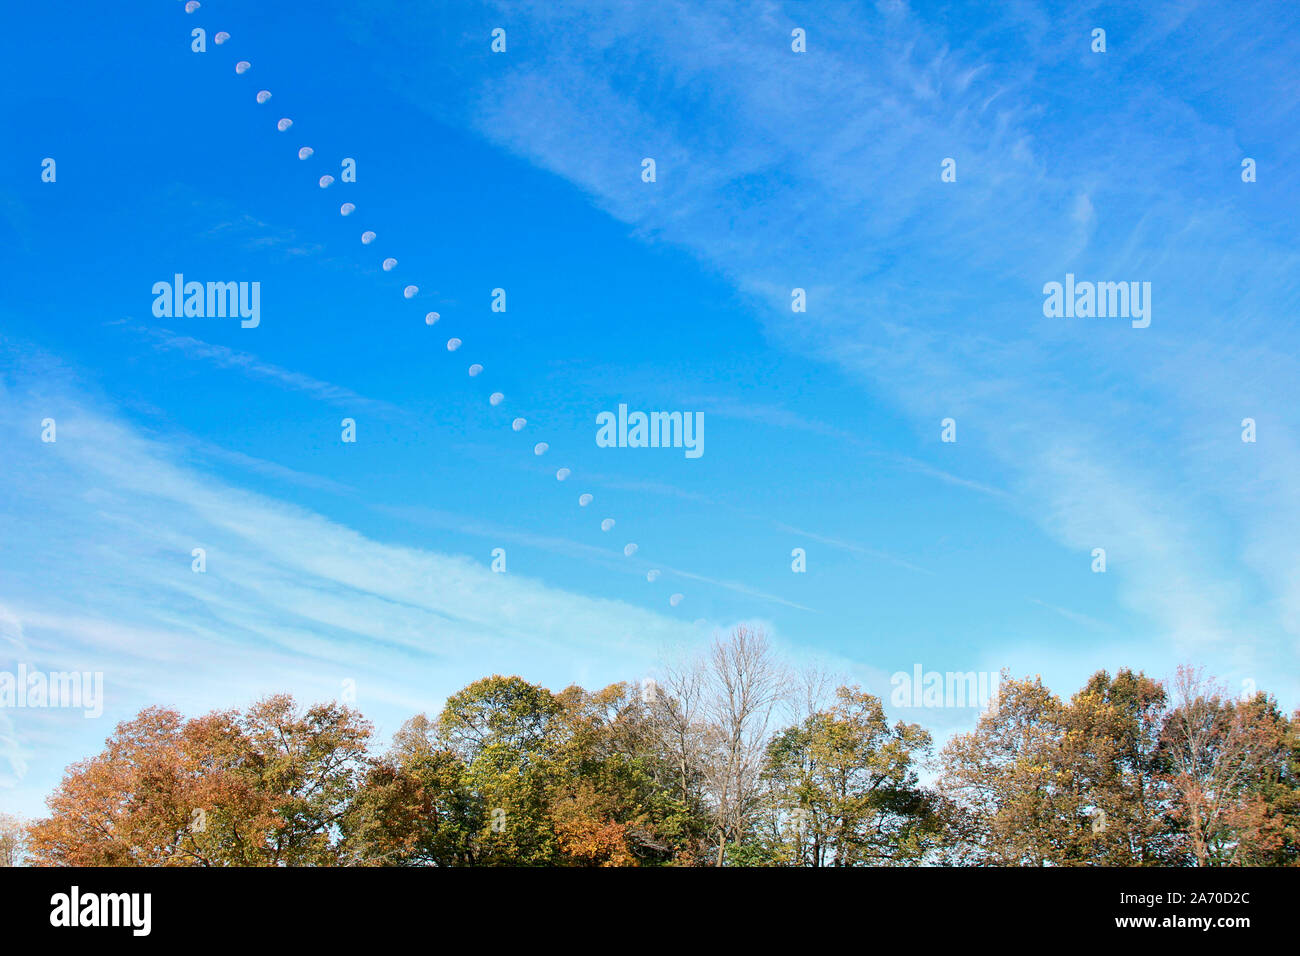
(1074, 616)
(851, 547)
(930, 293)
(253, 233)
(269, 469)
(248, 364)
(290, 600)
(430, 517)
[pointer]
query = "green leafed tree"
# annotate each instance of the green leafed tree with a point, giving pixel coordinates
(415, 806)
(506, 732)
(841, 789)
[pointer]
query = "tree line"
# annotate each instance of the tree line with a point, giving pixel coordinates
(728, 759)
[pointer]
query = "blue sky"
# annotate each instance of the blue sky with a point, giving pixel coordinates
(371, 561)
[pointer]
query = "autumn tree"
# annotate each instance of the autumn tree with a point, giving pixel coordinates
(614, 797)
(266, 787)
(308, 765)
(13, 840)
(1268, 826)
(1229, 768)
(415, 806)
(1265, 820)
(842, 788)
(130, 805)
(1014, 801)
(1110, 741)
(689, 771)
